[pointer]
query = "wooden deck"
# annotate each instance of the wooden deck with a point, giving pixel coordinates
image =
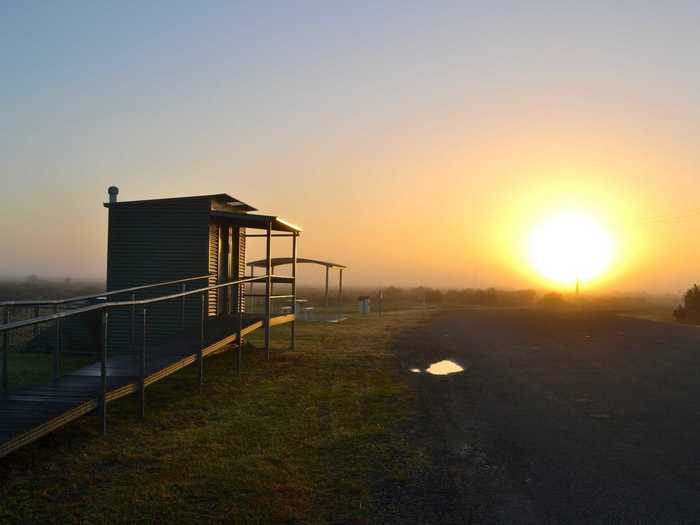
(31, 412)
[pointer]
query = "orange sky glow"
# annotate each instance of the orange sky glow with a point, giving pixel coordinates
(418, 147)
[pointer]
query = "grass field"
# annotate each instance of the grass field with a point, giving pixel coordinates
(29, 368)
(311, 436)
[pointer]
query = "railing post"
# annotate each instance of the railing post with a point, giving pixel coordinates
(239, 336)
(56, 351)
(103, 370)
(35, 328)
(5, 349)
(200, 352)
(268, 289)
(182, 313)
(132, 337)
(294, 291)
(142, 369)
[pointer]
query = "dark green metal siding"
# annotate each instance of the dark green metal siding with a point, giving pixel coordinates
(155, 242)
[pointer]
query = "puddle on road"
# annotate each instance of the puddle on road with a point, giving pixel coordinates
(443, 368)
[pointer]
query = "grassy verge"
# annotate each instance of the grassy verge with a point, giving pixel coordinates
(302, 438)
(30, 368)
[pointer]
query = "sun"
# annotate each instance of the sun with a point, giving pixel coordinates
(570, 247)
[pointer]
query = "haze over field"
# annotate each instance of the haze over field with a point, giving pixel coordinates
(418, 144)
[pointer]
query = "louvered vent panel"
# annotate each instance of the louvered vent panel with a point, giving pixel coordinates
(241, 266)
(213, 268)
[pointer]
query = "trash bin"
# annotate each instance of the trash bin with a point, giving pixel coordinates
(363, 304)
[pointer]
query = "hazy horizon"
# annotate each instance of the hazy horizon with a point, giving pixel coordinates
(417, 144)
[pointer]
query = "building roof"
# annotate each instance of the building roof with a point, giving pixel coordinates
(223, 198)
(252, 220)
(222, 206)
(280, 261)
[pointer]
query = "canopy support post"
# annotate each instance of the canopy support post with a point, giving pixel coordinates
(340, 293)
(268, 289)
(294, 291)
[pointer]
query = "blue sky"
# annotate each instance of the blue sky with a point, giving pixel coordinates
(339, 116)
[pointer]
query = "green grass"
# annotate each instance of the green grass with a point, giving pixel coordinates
(30, 368)
(304, 438)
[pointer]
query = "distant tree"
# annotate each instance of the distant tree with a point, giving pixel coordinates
(552, 299)
(689, 311)
(434, 296)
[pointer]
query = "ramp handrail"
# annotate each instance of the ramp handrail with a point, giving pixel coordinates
(117, 304)
(195, 354)
(52, 302)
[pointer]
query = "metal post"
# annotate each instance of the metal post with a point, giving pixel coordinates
(294, 291)
(142, 368)
(103, 371)
(250, 290)
(327, 269)
(239, 336)
(340, 294)
(35, 328)
(132, 337)
(56, 351)
(5, 350)
(200, 352)
(182, 313)
(268, 288)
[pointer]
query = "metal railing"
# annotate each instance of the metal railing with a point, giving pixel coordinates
(106, 307)
(81, 298)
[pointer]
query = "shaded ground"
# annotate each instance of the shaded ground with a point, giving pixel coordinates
(302, 438)
(558, 418)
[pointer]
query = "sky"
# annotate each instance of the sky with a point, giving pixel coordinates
(416, 142)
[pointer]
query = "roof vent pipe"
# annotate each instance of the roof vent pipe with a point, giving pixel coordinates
(113, 192)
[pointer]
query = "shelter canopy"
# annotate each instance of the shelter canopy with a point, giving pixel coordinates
(281, 261)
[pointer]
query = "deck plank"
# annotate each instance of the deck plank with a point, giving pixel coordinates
(32, 411)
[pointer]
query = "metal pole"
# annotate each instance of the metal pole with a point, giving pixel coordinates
(132, 337)
(250, 290)
(57, 349)
(294, 291)
(142, 368)
(35, 328)
(200, 352)
(5, 350)
(182, 313)
(327, 269)
(340, 294)
(103, 371)
(272, 285)
(268, 288)
(239, 337)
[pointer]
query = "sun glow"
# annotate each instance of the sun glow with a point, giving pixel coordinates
(568, 247)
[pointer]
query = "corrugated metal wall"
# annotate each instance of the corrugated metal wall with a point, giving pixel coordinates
(154, 242)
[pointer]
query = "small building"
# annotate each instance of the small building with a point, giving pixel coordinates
(363, 304)
(162, 240)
